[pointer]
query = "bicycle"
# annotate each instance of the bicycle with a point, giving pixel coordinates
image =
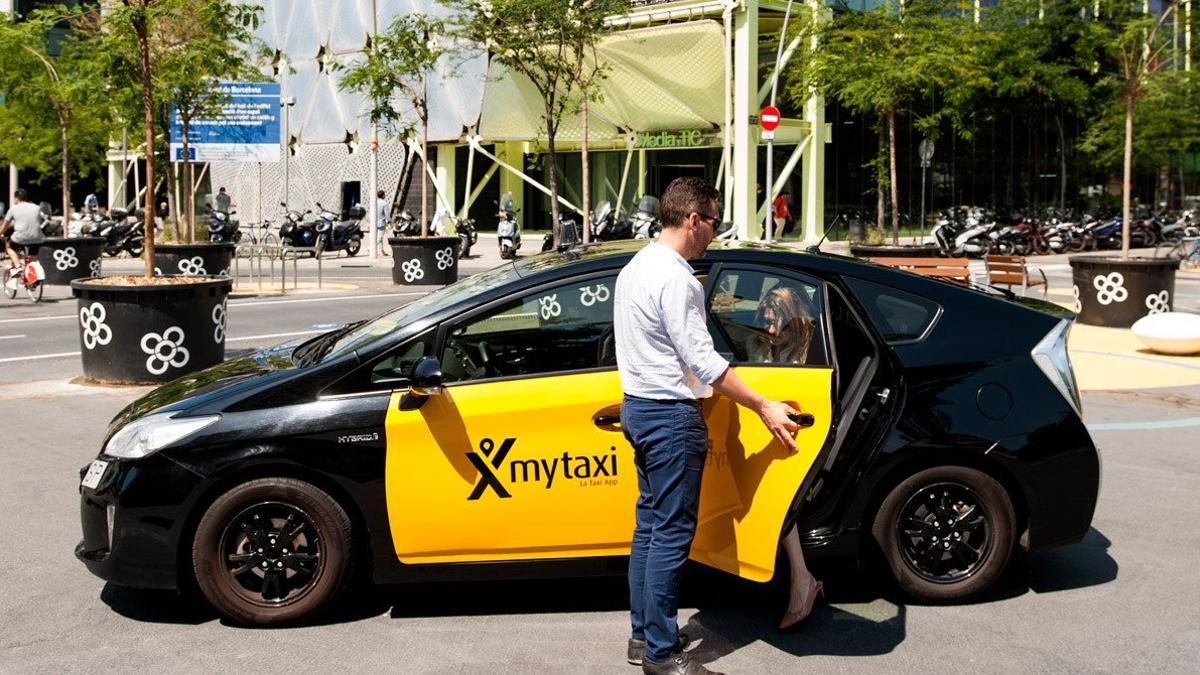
(264, 236)
(1187, 250)
(28, 275)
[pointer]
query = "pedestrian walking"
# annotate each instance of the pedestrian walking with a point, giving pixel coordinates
(222, 202)
(383, 213)
(667, 365)
(781, 213)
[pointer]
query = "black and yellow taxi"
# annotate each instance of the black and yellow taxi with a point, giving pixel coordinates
(475, 432)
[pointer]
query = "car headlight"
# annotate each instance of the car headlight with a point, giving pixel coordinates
(153, 432)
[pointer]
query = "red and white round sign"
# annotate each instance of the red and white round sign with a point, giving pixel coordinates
(769, 118)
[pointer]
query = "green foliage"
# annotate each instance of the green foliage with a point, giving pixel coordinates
(50, 91)
(1167, 124)
(398, 63)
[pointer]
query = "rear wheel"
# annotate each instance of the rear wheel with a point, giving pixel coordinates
(135, 249)
(272, 551)
(947, 533)
(353, 246)
(34, 291)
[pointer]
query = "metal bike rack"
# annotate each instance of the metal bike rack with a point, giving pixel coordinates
(254, 255)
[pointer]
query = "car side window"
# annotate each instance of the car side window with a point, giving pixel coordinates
(386, 373)
(897, 315)
(768, 318)
(564, 328)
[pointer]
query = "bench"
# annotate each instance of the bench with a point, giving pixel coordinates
(1011, 270)
(947, 269)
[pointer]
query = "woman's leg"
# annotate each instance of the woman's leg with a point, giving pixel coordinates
(803, 585)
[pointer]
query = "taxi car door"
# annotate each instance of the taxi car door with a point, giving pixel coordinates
(751, 482)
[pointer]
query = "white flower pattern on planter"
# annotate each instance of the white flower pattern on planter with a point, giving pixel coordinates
(1159, 302)
(218, 317)
(550, 306)
(193, 265)
(165, 350)
(1078, 303)
(445, 258)
(412, 270)
(590, 295)
(94, 265)
(65, 258)
(1110, 288)
(95, 331)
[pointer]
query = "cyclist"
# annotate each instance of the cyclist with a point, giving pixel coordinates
(22, 227)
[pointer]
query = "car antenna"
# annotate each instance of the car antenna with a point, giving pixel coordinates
(816, 248)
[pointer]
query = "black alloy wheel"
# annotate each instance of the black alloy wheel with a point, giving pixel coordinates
(272, 551)
(353, 246)
(947, 533)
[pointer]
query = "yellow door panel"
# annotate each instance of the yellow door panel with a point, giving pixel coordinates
(520, 470)
(750, 480)
(510, 471)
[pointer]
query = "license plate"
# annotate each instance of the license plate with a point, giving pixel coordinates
(94, 473)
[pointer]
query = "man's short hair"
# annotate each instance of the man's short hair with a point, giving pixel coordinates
(21, 194)
(221, 190)
(379, 194)
(685, 195)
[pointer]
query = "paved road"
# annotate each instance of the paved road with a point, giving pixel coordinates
(1121, 601)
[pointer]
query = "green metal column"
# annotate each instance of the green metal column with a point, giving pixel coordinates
(446, 172)
(812, 173)
(744, 165)
(513, 154)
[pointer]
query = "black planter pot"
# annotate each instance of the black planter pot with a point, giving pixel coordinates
(195, 260)
(864, 251)
(66, 259)
(150, 334)
(424, 261)
(1116, 292)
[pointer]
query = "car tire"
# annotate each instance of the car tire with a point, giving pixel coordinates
(241, 541)
(933, 554)
(353, 246)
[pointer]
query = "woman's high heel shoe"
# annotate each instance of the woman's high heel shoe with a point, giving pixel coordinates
(792, 619)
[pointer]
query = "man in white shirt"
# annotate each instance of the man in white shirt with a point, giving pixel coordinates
(22, 227)
(383, 211)
(667, 363)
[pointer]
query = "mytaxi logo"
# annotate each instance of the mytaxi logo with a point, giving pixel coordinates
(584, 468)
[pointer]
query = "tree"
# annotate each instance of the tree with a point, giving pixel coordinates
(537, 39)
(202, 43)
(1134, 44)
(51, 111)
(880, 63)
(399, 62)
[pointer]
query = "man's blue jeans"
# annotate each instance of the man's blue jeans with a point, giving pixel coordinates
(670, 442)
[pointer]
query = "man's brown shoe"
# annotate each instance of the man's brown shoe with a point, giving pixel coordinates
(633, 653)
(680, 663)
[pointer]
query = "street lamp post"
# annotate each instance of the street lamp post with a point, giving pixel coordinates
(925, 149)
(288, 102)
(769, 200)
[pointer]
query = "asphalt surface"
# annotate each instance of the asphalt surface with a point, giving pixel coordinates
(1123, 600)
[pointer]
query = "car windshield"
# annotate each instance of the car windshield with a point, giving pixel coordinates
(356, 336)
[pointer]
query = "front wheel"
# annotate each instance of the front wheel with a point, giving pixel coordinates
(272, 551)
(464, 246)
(34, 291)
(947, 533)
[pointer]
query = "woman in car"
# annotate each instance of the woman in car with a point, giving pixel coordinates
(787, 326)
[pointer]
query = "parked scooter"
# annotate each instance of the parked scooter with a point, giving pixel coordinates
(124, 232)
(294, 231)
(606, 226)
(445, 224)
(222, 228)
(647, 219)
(336, 234)
(969, 240)
(508, 233)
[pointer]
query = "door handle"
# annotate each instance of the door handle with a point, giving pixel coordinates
(803, 420)
(606, 420)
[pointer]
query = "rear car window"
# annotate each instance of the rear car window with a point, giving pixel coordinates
(897, 315)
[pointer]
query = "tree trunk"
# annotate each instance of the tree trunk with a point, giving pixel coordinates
(587, 223)
(189, 212)
(1126, 182)
(143, 39)
(64, 126)
(1062, 164)
(553, 160)
(1037, 165)
(880, 202)
(891, 119)
(424, 154)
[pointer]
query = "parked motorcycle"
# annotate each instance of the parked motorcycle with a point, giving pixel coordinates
(338, 234)
(124, 232)
(446, 224)
(647, 219)
(970, 239)
(405, 225)
(606, 226)
(294, 231)
(508, 233)
(222, 228)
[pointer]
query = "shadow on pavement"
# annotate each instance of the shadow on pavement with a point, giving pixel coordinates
(862, 615)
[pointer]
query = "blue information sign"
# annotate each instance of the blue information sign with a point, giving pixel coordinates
(247, 129)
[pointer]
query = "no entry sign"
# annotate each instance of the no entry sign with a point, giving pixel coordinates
(769, 118)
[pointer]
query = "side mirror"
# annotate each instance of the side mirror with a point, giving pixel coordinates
(427, 377)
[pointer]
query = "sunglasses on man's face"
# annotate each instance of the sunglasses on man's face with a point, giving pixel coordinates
(712, 220)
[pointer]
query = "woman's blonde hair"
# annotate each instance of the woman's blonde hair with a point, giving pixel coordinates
(791, 344)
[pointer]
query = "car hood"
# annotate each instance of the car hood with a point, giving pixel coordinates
(218, 381)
